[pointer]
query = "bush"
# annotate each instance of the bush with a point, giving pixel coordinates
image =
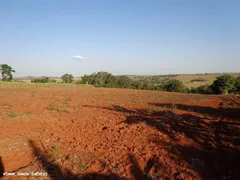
(41, 80)
(174, 86)
(79, 82)
(52, 80)
(223, 84)
(67, 78)
(204, 89)
(237, 85)
(197, 80)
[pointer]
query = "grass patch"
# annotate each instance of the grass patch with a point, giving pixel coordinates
(54, 149)
(54, 152)
(11, 114)
(52, 106)
(83, 167)
(67, 99)
(29, 84)
(63, 110)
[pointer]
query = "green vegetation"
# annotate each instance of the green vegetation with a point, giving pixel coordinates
(41, 80)
(83, 167)
(26, 84)
(52, 106)
(204, 89)
(54, 149)
(197, 80)
(223, 84)
(11, 114)
(6, 72)
(67, 78)
(174, 86)
(237, 85)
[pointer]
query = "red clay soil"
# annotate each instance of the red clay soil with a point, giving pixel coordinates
(96, 133)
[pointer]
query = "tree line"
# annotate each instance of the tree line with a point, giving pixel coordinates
(222, 85)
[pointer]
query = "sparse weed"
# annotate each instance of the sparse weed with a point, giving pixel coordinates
(54, 149)
(149, 108)
(54, 154)
(55, 98)
(83, 167)
(67, 99)
(52, 106)
(174, 106)
(116, 167)
(11, 114)
(63, 110)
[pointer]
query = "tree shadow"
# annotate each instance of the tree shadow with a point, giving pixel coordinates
(231, 113)
(1, 167)
(55, 171)
(218, 156)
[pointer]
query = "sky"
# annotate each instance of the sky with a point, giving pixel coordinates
(39, 38)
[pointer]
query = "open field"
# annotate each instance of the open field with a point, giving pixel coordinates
(98, 133)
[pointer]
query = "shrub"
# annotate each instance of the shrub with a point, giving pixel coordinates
(174, 86)
(79, 82)
(223, 84)
(67, 78)
(204, 89)
(237, 85)
(52, 80)
(40, 80)
(197, 80)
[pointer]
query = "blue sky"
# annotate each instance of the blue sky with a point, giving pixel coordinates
(120, 36)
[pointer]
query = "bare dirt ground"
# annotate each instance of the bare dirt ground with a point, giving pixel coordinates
(96, 133)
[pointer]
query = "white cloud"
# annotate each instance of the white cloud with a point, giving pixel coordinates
(79, 57)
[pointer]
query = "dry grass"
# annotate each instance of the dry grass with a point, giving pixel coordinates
(186, 79)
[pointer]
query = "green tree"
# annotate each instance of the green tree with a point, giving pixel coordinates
(124, 82)
(85, 79)
(223, 84)
(6, 72)
(204, 89)
(237, 85)
(67, 78)
(111, 81)
(173, 86)
(41, 80)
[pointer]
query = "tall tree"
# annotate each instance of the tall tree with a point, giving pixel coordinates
(223, 84)
(6, 72)
(67, 78)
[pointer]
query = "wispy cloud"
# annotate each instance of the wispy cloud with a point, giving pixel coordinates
(79, 57)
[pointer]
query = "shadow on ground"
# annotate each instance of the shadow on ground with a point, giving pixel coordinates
(56, 172)
(219, 139)
(1, 167)
(217, 156)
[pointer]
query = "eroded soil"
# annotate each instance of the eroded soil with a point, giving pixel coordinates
(96, 133)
